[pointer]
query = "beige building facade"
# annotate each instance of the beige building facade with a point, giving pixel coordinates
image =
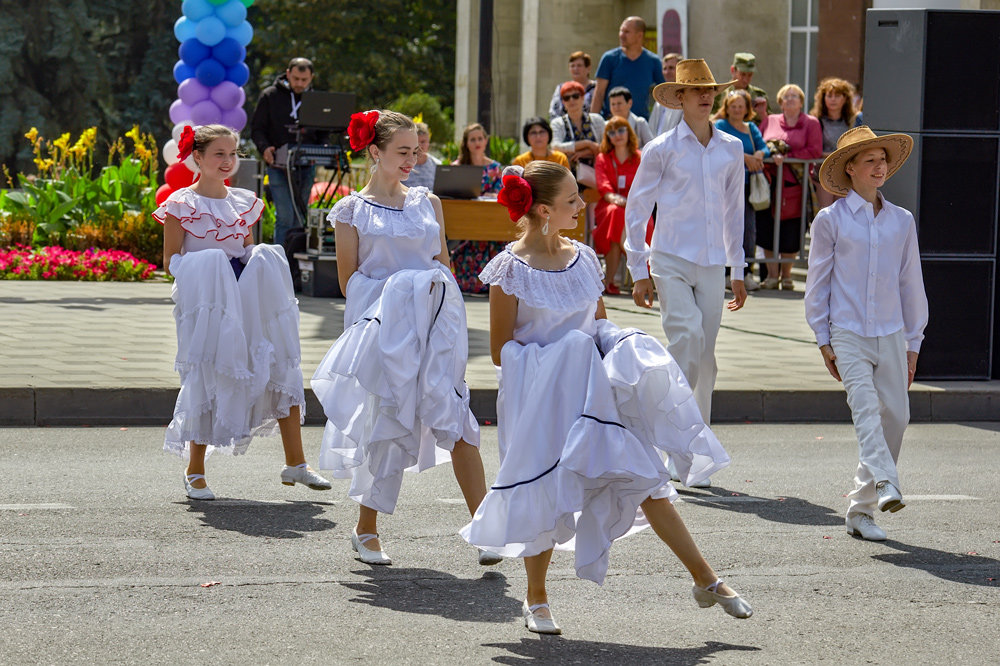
(798, 41)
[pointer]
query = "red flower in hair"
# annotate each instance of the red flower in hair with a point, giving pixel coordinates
(516, 196)
(361, 130)
(186, 143)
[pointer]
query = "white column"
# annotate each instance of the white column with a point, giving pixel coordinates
(466, 63)
(529, 62)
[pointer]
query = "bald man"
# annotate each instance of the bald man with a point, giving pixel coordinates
(630, 65)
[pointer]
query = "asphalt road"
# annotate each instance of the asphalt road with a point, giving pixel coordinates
(103, 560)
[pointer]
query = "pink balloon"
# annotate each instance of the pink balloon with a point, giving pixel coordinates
(206, 113)
(228, 95)
(235, 118)
(191, 91)
(179, 112)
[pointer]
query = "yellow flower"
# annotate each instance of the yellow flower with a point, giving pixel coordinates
(87, 139)
(419, 118)
(44, 165)
(134, 135)
(62, 142)
(32, 135)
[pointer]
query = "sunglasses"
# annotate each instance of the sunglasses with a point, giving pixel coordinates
(571, 96)
(618, 132)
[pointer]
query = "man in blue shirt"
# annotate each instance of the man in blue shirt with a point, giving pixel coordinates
(629, 65)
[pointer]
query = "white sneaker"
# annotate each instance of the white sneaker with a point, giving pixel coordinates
(750, 283)
(889, 497)
(862, 525)
(304, 475)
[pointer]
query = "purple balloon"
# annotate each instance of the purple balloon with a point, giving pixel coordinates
(238, 74)
(235, 118)
(182, 72)
(206, 113)
(228, 95)
(242, 33)
(210, 73)
(191, 92)
(179, 112)
(193, 52)
(229, 52)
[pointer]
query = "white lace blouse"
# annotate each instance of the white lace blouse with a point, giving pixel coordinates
(391, 239)
(213, 223)
(550, 303)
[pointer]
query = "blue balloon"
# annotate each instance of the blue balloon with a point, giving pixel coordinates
(210, 73)
(183, 71)
(242, 33)
(232, 13)
(210, 31)
(238, 74)
(229, 51)
(196, 10)
(184, 29)
(192, 52)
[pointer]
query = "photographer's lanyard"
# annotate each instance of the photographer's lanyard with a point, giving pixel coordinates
(295, 107)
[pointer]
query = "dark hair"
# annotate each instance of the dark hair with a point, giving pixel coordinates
(580, 55)
(620, 91)
(614, 123)
(206, 134)
(536, 121)
(300, 63)
(465, 157)
(388, 123)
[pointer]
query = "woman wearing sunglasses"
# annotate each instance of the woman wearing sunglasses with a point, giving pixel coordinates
(577, 133)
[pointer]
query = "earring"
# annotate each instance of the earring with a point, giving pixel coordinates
(545, 227)
(374, 167)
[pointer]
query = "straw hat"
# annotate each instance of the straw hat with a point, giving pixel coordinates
(692, 73)
(833, 175)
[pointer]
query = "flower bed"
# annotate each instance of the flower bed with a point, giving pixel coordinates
(57, 263)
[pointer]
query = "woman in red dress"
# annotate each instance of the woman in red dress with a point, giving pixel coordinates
(615, 168)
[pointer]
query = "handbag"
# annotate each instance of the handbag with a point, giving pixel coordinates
(760, 191)
(791, 195)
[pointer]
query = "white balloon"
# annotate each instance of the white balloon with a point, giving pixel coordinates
(190, 164)
(170, 152)
(178, 128)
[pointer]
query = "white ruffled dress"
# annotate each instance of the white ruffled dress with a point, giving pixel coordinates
(584, 410)
(237, 341)
(393, 384)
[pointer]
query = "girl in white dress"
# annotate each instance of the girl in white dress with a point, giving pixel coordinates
(237, 321)
(584, 410)
(393, 385)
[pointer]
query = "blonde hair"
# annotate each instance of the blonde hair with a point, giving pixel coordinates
(422, 128)
(388, 123)
(834, 85)
(545, 178)
(723, 112)
(615, 123)
(206, 134)
(791, 87)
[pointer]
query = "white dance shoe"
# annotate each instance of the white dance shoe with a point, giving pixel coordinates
(539, 625)
(358, 542)
(197, 493)
(304, 475)
(734, 605)
(486, 558)
(889, 497)
(863, 526)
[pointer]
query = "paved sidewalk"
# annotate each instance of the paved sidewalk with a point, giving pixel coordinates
(102, 353)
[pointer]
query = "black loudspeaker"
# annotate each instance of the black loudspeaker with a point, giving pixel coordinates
(930, 70)
(958, 340)
(950, 184)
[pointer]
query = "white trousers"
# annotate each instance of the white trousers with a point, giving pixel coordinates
(875, 377)
(691, 301)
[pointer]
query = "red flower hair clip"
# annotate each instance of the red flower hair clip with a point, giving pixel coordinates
(516, 196)
(186, 143)
(361, 130)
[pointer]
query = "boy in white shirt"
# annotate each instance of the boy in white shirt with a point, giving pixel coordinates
(865, 302)
(694, 176)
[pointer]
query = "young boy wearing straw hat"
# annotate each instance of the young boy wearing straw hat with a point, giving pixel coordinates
(694, 176)
(865, 302)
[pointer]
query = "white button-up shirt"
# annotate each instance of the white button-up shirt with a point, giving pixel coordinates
(864, 272)
(698, 192)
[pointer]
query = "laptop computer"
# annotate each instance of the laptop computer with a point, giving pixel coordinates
(458, 181)
(326, 110)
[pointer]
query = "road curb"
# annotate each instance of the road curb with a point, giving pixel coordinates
(154, 406)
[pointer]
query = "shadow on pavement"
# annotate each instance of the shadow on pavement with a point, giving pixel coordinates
(790, 510)
(556, 649)
(430, 592)
(955, 567)
(283, 520)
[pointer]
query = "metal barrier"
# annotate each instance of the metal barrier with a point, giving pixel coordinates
(807, 194)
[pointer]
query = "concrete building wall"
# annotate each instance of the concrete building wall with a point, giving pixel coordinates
(719, 28)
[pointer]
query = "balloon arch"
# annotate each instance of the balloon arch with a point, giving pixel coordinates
(210, 75)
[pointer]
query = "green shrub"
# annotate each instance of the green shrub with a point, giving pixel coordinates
(430, 112)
